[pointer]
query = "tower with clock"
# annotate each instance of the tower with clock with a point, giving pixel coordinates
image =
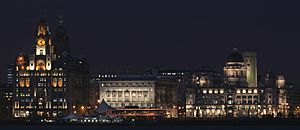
(45, 81)
(44, 50)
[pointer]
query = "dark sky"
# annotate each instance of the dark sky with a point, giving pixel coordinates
(141, 34)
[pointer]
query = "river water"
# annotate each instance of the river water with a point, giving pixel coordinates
(164, 127)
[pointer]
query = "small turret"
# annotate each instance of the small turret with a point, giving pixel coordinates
(280, 81)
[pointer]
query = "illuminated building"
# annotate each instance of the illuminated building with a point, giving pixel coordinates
(293, 99)
(235, 71)
(123, 91)
(48, 82)
(188, 79)
(282, 100)
(6, 93)
(239, 95)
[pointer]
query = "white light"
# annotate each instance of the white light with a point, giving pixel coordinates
(216, 91)
(249, 91)
(221, 91)
(244, 91)
(255, 91)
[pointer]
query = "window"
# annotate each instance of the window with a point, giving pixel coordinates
(249, 102)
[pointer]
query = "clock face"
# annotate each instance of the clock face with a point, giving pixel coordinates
(20, 60)
(41, 42)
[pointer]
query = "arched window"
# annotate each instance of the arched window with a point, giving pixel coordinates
(22, 82)
(54, 82)
(60, 82)
(27, 82)
(40, 65)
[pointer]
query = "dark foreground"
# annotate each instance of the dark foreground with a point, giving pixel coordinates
(150, 127)
(168, 122)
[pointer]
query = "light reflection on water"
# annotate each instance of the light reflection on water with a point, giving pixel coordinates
(163, 127)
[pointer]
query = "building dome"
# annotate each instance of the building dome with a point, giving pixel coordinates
(235, 56)
(280, 77)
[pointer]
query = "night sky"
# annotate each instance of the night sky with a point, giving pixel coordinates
(140, 34)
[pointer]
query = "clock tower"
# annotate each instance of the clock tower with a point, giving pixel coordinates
(44, 50)
(45, 85)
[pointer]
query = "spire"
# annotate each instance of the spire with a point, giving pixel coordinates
(43, 28)
(43, 17)
(61, 38)
(43, 20)
(235, 47)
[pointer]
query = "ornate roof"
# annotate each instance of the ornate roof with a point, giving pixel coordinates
(235, 56)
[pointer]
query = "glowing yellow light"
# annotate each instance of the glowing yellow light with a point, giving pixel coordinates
(60, 82)
(27, 82)
(40, 65)
(22, 82)
(54, 83)
(41, 42)
(20, 60)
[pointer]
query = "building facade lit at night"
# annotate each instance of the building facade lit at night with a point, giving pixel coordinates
(48, 82)
(239, 95)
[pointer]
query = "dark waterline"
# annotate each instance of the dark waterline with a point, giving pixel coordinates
(166, 127)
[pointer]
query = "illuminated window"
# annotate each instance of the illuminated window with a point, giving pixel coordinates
(22, 82)
(255, 91)
(221, 91)
(40, 65)
(54, 82)
(216, 91)
(21, 60)
(244, 91)
(249, 91)
(60, 82)
(27, 82)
